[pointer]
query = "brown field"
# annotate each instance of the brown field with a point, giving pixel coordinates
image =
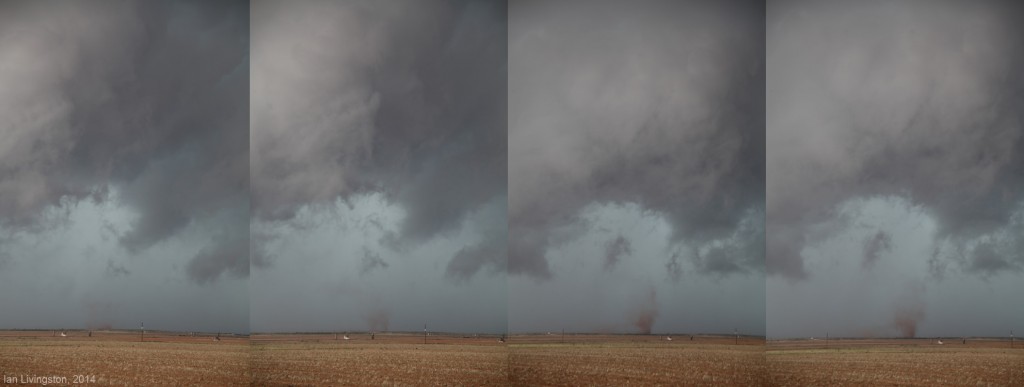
(404, 359)
(620, 360)
(368, 362)
(118, 358)
(905, 362)
(168, 358)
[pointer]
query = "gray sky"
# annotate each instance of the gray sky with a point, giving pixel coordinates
(379, 165)
(534, 166)
(895, 167)
(636, 166)
(124, 165)
(382, 158)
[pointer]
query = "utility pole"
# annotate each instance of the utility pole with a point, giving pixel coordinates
(424, 333)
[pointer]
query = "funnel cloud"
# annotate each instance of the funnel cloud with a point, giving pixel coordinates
(896, 142)
(635, 164)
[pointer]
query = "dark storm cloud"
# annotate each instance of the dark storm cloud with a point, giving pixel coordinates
(923, 101)
(403, 99)
(470, 259)
(145, 99)
(672, 121)
(614, 250)
(997, 253)
(371, 260)
(745, 247)
(874, 246)
(489, 253)
(227, 255)
(674, 268)
(116, 270)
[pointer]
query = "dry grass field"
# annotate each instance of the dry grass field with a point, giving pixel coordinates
(279, 363)
(534, 360)
(385, 359)
(118, 358)
(622, 360)
(904, 362)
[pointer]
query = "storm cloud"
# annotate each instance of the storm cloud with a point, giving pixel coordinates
(230, 255)
(874, 246)
(379, 164)
(636, 166)
(371, 261)
(673, 121)
(904, 99)
(401, 99)
(895, 167)
(138, 103)
(614, 250)
(125, 135)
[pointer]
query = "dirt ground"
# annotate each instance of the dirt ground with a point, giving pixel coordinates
(118, 358)
(409, 359)
(170, 358)
(651, 363)
(905, 362)
(378, 364)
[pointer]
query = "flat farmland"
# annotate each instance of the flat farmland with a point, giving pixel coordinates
(619, 360)
(170, 358)
(387, 359)
(404, 359)
(118, 358)
(905, 362)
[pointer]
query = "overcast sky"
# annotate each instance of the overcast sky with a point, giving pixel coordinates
(480, 166)
(382, 158)
(636, 166)
(124, 167)
(895, 167)
(379, 165)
